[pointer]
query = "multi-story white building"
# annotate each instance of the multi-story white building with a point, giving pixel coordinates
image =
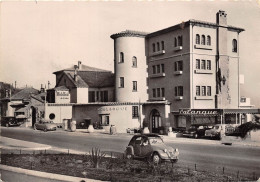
(182, 75)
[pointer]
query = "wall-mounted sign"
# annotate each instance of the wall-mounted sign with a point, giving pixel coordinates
(199, 112)
(112, 109)
(62, 93)
(62, 97)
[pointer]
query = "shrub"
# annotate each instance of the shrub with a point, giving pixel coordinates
(96, 156)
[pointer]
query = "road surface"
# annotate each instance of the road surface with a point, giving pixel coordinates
(213, 157)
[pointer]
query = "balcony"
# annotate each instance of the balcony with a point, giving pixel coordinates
(178, 72)
(157, 98)
(201, 71)
(158, 53)
(157, 75)
(178, 48)
(205, 47)
(204, 98)
(178, 97)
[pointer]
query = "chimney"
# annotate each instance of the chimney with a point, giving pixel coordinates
(221, 18)
(79, 65)
(75, 73)
(42, 89)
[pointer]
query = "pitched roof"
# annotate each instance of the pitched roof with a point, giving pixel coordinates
(25, 94)
(59, 88)
(94, 79)
(83, 68)
(192, 22)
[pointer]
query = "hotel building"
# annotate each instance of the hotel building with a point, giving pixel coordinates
(175, 77)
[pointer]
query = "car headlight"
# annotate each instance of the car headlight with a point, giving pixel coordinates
(165, 150)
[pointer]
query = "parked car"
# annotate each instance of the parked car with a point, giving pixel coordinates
(9, 121)
(45, 125)
(215, 131)
(151, 147)
(196, 131)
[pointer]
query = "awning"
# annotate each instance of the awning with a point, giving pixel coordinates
(241, 111)
(20, 117)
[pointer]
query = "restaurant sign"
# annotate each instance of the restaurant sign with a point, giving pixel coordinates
(199, 112)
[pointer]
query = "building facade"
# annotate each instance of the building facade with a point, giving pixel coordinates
(176, 77)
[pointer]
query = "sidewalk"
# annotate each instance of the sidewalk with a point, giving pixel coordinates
(9, 143)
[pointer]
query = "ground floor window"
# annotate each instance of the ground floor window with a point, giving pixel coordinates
(135, 111)
(181, 121)
(105, 121)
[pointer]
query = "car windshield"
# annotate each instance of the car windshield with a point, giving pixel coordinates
(216, 127)
(193, 127)
(154, 140)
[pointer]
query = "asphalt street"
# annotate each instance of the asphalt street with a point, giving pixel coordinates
(209, 156)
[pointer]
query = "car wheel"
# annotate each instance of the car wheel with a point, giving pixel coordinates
(196, 135)
(7, 125)
(129, 156)
(45, 129)
(156, 158)
(175, 160)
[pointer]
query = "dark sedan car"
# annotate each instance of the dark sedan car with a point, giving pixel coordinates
(196, 131)
(151, 146)
(9, 121)
(45, 125)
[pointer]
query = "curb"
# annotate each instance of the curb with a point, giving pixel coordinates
(44, 175)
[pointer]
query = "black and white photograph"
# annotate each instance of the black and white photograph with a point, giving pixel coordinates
(129, 91)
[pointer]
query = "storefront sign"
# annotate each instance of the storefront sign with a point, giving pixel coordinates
(62, 93)
(112, 109)
(199, 112)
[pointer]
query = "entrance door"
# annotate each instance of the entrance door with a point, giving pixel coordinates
(156, 121)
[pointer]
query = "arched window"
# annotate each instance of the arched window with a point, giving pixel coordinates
(175, 42)
(162, 45)
(179, 40)
(208, 40)
(121, 57)
(197, 39)
(203, 39)
(234, 45)
(134, 62)
(153, 47)
(158, 46)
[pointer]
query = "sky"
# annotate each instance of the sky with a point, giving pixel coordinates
(38, 38)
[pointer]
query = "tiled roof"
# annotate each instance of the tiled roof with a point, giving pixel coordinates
(191, 22)
(93, 79)
(129, 33)
(40, 97)
(83, 68)
(25, 94)
(59, 88)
